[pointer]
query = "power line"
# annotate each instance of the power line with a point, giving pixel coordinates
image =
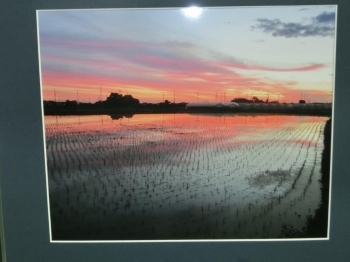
(195, 95)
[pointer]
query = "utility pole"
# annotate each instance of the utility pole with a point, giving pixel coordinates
(54, 92)
(77, 96)
(174, 97)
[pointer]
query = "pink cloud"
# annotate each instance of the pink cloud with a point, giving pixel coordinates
(209, 88)
(138, 68)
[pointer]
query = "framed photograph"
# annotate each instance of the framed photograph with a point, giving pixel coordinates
(244, 155)
(133, 130)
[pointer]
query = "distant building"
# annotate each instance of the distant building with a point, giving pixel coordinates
(212, 106)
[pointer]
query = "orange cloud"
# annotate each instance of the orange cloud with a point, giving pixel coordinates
(202, 87)
(151, 71)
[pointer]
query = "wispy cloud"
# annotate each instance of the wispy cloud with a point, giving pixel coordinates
(151, 62)
(320, 25)
(72, 62)
(234, 63)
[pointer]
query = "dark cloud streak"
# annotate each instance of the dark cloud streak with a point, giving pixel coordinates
(321, 25)
(326, 17)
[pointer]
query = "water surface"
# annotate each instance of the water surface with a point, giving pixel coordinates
(181, 176)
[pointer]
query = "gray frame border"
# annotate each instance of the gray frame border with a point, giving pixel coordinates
(23, 185)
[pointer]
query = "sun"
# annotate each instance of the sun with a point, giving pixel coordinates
(192, 12)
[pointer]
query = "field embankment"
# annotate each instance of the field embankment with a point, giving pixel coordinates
(317, 225)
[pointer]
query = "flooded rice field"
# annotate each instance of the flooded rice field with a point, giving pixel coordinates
(181, 176)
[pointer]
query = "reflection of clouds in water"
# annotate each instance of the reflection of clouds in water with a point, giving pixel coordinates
(271, 177)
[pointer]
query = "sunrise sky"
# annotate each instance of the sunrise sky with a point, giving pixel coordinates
(280, 53)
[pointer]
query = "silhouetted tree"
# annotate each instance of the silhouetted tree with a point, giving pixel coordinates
(241, 100)
(117, 100)
(257, 100)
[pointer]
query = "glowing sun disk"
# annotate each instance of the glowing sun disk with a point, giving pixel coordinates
(192, 12)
